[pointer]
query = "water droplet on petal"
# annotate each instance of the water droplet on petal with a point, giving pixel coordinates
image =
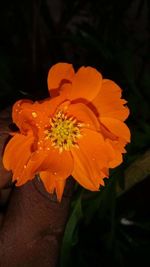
(34, 114)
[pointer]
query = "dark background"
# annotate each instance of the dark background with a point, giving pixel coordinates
(112, 226)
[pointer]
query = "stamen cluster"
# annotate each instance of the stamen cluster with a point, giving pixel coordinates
(64, 132)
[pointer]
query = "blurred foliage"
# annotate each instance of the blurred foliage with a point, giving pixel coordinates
(113, 225)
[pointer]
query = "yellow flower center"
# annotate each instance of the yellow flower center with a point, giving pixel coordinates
(64, 132)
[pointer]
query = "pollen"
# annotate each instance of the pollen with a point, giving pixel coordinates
(64, 132)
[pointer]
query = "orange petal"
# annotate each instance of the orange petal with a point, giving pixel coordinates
(49, 180)
(16, 156)
(55, 162)
(117, 160)
(118, 148)
(17, 108)
(54, 171)
(59, 167)
(108, 102)
(49, 160)
(15, 150)
(83, 114)
(30, 114)
(58, 74)
(54, 104)
(86, 84)
(94, 144)
(33, 165)
(60, 185)
(90, 159)
(82, 172)
(121, 114)
(17, 112)
(35, 116)
(51, 183)
(21, 165)
(117, 127)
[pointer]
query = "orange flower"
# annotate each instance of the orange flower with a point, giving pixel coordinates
(79, 131)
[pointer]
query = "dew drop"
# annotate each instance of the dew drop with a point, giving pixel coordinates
(34, 114)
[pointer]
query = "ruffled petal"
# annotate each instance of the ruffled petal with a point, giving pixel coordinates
(17, 113)
(83, 114)
(116, 127)
(35, 116)
(54, 171)
(19, 147)
(59, 74)
(49, 160)
(32, 167)
(94, 145)
(48, 180)
(90, 159)
(51, 183)
(82, 172)
(118, 150)
(109, 103)
(55, 162)
(16, 156)
(86, 84)
(28, 115)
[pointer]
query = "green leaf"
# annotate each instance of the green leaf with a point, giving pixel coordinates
(136, 172)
